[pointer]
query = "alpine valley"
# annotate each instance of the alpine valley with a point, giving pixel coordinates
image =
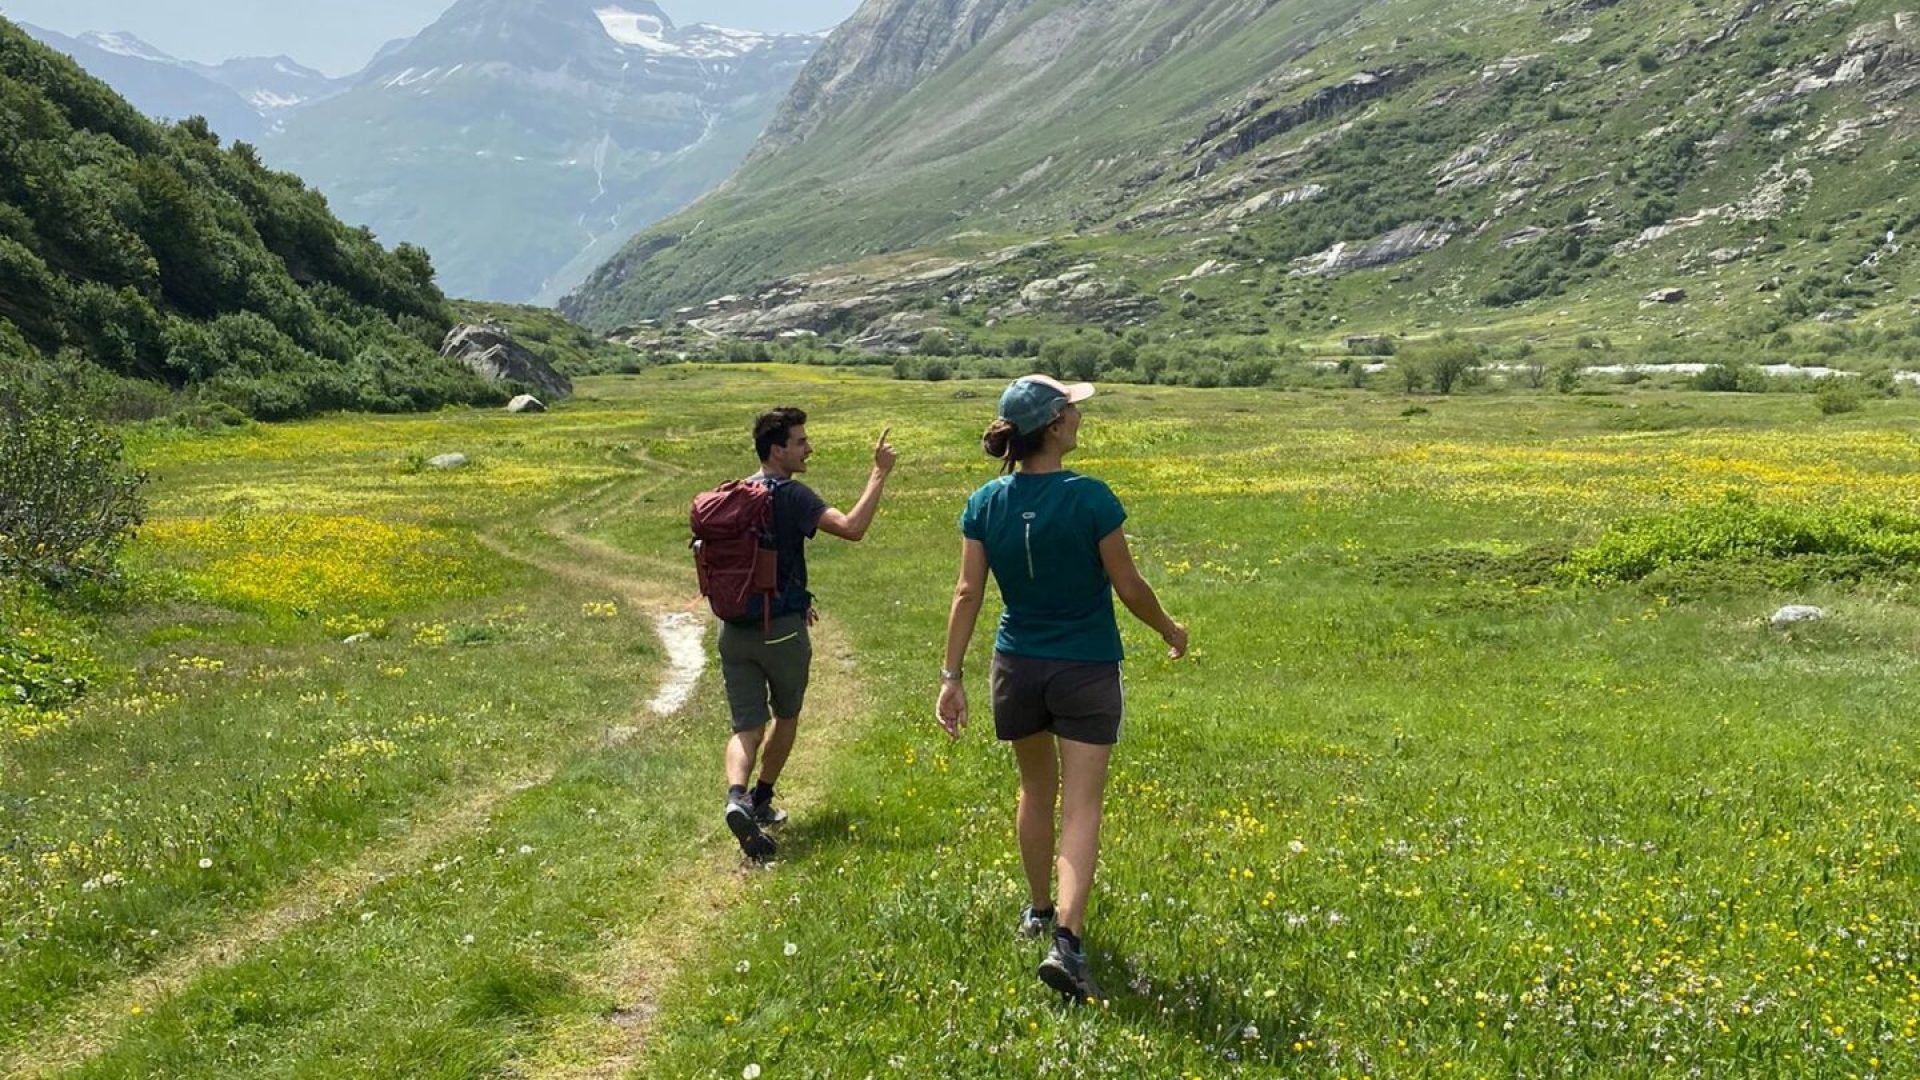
(1720, 171)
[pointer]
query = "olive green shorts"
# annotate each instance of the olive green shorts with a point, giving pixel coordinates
(765, 671)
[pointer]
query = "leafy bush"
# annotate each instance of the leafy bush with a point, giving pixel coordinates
(1732, 379)
(69, 500)
(1837, 396)
(1739, 530)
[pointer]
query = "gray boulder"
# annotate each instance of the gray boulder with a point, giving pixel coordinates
(1794, 614)
(526, 403)
(447, 461)
(492, 353)
(1666, 296)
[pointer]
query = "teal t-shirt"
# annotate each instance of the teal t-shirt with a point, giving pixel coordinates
(1042, 533)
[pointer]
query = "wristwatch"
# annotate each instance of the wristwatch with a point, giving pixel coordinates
(950, 676)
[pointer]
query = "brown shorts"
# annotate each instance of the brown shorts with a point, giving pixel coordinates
(1074, 700)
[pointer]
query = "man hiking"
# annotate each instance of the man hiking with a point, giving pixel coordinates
(766, 653)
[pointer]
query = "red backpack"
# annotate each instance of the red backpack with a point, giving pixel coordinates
(733, 552)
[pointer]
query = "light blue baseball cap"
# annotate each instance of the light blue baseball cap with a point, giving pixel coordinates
(1032, 401)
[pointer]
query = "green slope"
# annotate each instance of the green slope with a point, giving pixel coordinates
(1567, 160)
(155, 254)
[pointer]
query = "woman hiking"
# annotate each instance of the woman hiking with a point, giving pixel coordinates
(1053, 541)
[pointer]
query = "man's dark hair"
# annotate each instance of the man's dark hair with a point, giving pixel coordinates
(773, 427)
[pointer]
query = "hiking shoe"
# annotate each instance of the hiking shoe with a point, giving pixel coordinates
(1067, 971)
(1033, 926)
(756, 845)
(765, 813)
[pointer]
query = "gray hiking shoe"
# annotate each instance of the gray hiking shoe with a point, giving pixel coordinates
(1033, 925)
(1067, 971)
(754, 843)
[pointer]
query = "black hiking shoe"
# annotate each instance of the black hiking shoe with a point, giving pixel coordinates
(755, 844)
(1067, 971)
(765, 813)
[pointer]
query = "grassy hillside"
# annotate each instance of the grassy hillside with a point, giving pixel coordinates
(1308, 170)
(153, 253)
(1484, 762)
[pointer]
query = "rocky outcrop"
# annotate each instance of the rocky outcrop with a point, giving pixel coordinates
(818, 316)
(1249, 127)
(1399, 245)
(491, 352)
(900, 332)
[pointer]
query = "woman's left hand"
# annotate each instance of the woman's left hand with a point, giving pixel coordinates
(951, 710)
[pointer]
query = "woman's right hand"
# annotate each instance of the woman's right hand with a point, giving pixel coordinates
(1176, 640)
(951, 709)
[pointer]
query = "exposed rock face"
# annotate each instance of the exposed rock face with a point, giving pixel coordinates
(1399, 245)
(818, 316)
(1248, 127)
(886, 47)
(1666, 296)
(899, 332)
(491, 352)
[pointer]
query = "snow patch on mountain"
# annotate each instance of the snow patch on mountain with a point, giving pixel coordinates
(633, 28)
(652, 35)
(267, 100)
(126, 45)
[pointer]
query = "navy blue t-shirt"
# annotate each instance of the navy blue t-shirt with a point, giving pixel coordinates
(1042, 532)
(796, 516)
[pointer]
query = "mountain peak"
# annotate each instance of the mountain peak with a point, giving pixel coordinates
(124, 44)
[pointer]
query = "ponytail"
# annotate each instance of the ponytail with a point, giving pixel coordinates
(1004, 443)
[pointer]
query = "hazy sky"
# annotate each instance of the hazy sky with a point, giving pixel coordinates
(339, 36)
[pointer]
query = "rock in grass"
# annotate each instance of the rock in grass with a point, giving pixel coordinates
(1795, 613)
(526, 403)
(447, 461)
(356, 639)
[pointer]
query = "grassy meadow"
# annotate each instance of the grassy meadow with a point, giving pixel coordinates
(1485, 762)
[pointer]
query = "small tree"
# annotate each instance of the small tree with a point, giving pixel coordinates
(1412, 371)
(1566, 374)
(1446, 364)
(67, 499)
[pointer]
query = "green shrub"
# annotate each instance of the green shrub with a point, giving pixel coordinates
(1738, 530)
(1839, 395)
(70, 501)
(1732, 379)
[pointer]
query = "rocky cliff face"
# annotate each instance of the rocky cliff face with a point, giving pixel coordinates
(885, 49)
